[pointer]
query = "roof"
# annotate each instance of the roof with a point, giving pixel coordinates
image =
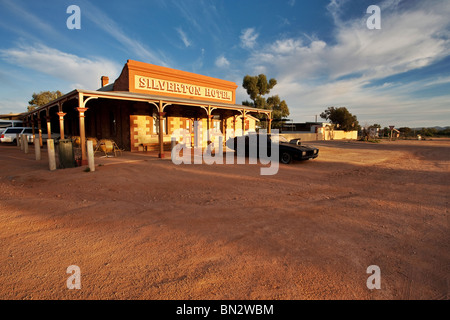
(10, 116)
(125, 95)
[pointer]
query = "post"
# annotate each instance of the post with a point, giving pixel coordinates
(61, 124)
(40, 132)
(51, 155)
(25, 143)
(49, 127)
(32, 128)
(37, 149)
(270, 126)
(173, 142)
(161, 131)
(90, 153)
(18, 141)
(243, 123)
(220, 151)
(82, 110)
(209, 127)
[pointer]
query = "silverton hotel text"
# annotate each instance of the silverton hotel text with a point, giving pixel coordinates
(167, 86)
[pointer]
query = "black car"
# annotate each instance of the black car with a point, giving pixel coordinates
(288, 150)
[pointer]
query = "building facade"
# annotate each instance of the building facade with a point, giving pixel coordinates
(144, 106)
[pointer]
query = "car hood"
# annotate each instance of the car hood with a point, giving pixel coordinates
(301, 147)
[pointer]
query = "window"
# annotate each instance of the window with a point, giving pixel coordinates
(10, 123)
(156, 124)
(14, 130)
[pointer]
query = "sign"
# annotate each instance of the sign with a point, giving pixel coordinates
(183, 89)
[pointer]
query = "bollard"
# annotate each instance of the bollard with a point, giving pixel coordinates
(51, 155)
(173, 141)
(20, 139)
(25, 143)
(90, 155)
(220, 151)
(37, 149)
(17, 139)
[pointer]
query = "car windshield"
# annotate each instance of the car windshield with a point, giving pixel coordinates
(278, 138)
(14, 130)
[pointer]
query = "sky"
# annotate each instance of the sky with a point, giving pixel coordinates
(321, 52)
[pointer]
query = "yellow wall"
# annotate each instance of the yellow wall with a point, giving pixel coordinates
(142, 131)
(336, 135)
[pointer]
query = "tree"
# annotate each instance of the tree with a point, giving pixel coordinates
(428, 132)
(257, 87)
(406, 131)
(42, 98)
(341, 117)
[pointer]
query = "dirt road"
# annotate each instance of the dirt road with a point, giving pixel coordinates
(143, 228)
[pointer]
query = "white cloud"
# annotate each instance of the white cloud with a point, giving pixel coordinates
(248, 38)
(110, 26)
(222, 62)
(313, 74)
(183, 37)
(81, 73)
(31, 19)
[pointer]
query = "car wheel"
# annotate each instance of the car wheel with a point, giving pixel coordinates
(285, 158)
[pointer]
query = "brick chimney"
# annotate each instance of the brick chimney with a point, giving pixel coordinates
(105, 80)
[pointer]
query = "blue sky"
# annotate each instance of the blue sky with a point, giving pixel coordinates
(321, 52)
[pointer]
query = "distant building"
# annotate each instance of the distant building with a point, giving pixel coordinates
(312, 127)
(313, 131)
(11, 116)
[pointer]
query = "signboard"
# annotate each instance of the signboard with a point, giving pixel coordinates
(156, 86)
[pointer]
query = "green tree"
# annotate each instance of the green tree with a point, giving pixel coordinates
(42, 98)
(341, 117)
(386, 132)
(428, 132)
(406, 131)
(257, 87)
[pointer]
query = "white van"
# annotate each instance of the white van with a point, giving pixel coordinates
(9, 123)
(10, 134)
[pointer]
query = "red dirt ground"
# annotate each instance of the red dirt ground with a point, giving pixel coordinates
(143, 228)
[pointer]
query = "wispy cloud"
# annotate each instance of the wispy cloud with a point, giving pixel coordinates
(248, 38)
(134, 46)
(77, 71)
(316, 74)
(222, 62)
(198, 64)
(183, 37)
(29, 18)
(31, 26)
